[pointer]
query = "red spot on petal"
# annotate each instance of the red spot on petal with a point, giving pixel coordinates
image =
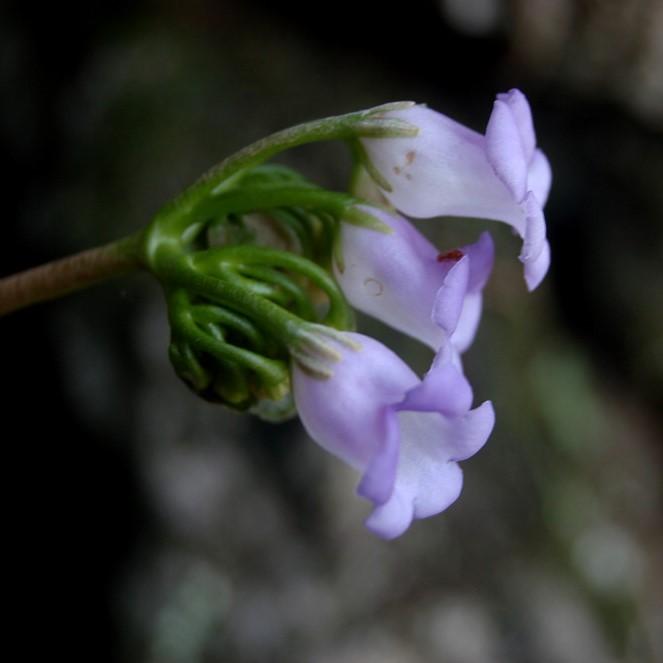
(455, 255)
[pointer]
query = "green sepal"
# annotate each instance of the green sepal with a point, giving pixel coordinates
(385, 127)
(231, 386)
(275, 410)
(315, 349)
(392, 106)
(359, 217)
(362, 165)
(187, 366)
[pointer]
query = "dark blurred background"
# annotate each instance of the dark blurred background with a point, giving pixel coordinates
(144, 525)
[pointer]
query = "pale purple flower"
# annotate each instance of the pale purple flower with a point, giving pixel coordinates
(401, 279)
(450, 170)
(404, 435)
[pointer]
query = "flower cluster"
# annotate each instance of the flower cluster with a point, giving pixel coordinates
(261, 268)
(405, 435)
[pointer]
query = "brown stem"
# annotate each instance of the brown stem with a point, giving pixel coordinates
(60, 277)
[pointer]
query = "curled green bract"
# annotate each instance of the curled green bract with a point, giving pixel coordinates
(245, 259)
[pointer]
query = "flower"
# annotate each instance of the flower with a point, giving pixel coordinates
(401, 279)
(450, 170)
(403, 434)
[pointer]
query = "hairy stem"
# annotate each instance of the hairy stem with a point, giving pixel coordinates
(69, 274)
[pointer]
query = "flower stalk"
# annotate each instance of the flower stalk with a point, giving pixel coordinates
(75, 272)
